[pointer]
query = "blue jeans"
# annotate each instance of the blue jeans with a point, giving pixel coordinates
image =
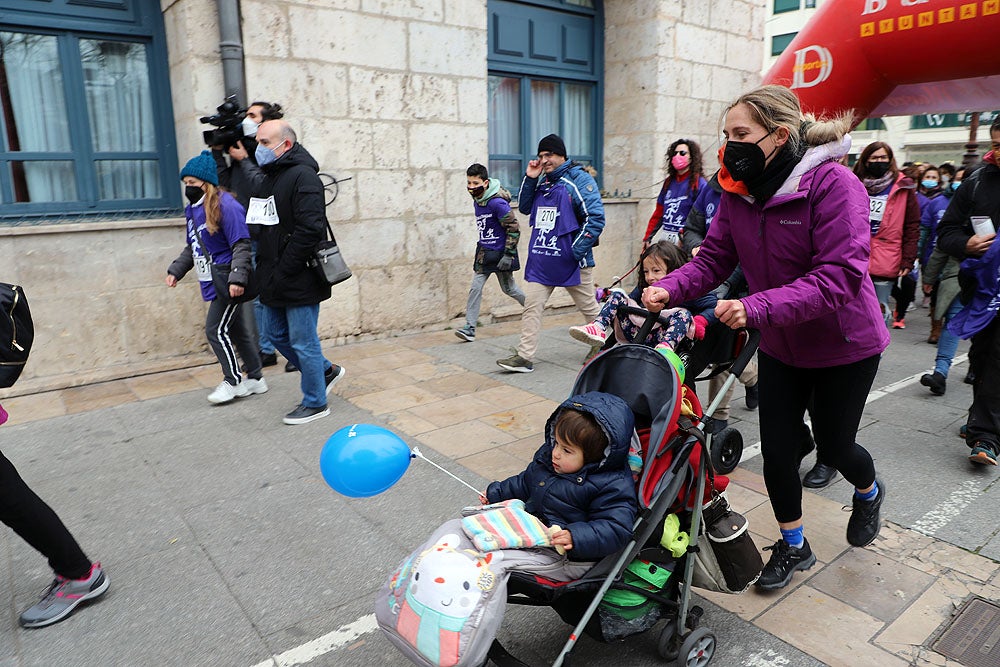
(293, 332)
(264, 343)
(947, 341)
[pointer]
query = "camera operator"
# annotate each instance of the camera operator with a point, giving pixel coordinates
(241, 173)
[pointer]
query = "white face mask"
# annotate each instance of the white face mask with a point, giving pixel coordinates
(249, 127)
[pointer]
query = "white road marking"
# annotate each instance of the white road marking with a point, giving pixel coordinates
(875, 394)
(768, 658)
(942, 514)
(306, 653)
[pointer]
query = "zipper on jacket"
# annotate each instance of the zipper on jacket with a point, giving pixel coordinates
(13, 325)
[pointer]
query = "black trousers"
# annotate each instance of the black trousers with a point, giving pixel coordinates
(903, 291)
(838, 394)
(984, 361)
(38, 525)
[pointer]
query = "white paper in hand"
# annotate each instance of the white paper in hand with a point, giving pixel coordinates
(982, 225)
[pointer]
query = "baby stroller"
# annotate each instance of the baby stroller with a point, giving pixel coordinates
(673, 479)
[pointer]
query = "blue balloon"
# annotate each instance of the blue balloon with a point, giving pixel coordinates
(363, 460)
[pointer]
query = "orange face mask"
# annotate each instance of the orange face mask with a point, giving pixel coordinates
(726, 181)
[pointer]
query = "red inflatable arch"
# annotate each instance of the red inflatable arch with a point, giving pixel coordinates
(895, 57)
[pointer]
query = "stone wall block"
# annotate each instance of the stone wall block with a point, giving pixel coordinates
(339, 146)
(390, 145)
(741, 49)
(192, 29)
(467, 13)
(698, 13)
(372, 243)
(165, 321)
(418, 286)
(308, 89)
(440, 49)
(421, 10)
(473, 105)
(430, 98)
(72, 344)
(445, 146)
(92, 269)
(437, 238)
(345, 207)
(266, 30)
(340, 315)
(704, 45)
(376, 95)
(347, 37)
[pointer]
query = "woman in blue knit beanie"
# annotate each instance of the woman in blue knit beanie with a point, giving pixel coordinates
(218, 242)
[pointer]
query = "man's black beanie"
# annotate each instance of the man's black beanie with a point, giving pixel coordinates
(552, 144)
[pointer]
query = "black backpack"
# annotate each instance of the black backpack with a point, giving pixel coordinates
(16, 333)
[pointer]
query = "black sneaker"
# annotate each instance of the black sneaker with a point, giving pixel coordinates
(935, 381)
(819, 476)
(865, 521)
(332, 376)
(784, 562)
(303, 415)
(268, 359)
(290, 367)
(970, 377)
(753, 397)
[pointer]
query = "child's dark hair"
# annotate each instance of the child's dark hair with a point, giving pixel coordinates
(269, 111)
(581, 429)
(668, 253)
(478, 170)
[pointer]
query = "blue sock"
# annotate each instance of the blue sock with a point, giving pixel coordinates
(793, 537)
(867, 496)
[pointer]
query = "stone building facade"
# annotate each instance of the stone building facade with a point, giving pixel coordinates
(393, 94)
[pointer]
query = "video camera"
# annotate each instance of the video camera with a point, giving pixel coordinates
(227, 122)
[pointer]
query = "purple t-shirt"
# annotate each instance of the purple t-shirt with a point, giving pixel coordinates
(492, 235)
(553, 227)
(676, 201)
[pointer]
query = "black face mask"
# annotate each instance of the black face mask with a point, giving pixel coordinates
(193, 193)
(477, 192)
(877, 169)
(745, 160)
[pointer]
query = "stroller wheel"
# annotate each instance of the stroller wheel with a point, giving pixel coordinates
(669, 644)
(727, 450)
(697, 649)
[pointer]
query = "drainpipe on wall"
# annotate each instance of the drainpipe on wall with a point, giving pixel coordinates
(231, 49)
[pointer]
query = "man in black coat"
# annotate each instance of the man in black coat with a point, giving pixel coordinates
(977, 201)
(289, 211)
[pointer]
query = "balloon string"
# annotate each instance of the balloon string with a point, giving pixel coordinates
(415, 452)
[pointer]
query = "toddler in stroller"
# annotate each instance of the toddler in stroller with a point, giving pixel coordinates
(687, 321)
(445, 603)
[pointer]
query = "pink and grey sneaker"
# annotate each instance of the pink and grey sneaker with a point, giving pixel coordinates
(592, 334)
(63, 596)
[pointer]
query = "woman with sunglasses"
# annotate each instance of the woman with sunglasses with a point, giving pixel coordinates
(684, 181)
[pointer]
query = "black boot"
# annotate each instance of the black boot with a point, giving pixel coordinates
(970, 377)
(935, 381)
(753, 397)
(784, 561)
(819, 476)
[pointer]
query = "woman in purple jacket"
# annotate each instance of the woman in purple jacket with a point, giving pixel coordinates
(797, 222)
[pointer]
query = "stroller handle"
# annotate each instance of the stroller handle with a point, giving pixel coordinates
(750, 344)
(651, 320)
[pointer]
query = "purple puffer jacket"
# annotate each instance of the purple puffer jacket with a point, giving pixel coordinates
(805, 257)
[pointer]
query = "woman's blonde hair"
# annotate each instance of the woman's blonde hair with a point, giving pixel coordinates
(213, 208)
(777, 106)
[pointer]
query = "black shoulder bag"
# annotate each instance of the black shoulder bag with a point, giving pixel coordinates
(328, 261)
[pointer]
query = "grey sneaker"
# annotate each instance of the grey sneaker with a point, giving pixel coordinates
(466, 333)
(516, 364)
(63, 596)
(303, 415)
(332, 376)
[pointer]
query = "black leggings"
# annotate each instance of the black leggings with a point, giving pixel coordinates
(38, 525)
(839, 394)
